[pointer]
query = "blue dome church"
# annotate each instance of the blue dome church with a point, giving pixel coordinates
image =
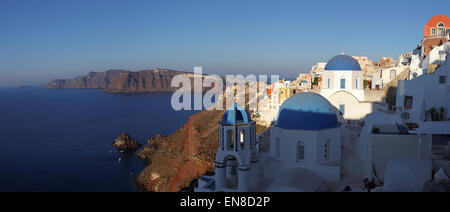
(343, 86)
(237, 154)
(343, 63)
(306, 135)
(307, 111)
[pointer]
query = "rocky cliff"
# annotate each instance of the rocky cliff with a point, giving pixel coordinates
(176, 160)
(122, 81)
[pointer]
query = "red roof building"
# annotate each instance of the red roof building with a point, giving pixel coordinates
(436, 32)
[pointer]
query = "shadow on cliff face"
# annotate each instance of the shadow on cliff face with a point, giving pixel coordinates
(178, 159)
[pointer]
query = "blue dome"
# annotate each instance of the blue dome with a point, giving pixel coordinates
(236, 115)
(307, 111)
(343, 62)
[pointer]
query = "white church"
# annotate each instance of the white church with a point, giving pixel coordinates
(311, 148)
(343, 86)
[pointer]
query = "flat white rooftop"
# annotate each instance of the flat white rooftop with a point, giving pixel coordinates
(433, 127)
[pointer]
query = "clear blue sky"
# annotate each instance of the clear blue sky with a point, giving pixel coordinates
(45, 39)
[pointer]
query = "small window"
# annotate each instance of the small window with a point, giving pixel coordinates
(327, 150)
(242, 139)
(408, 102)
(442, 79)
(441, 32)
(329, 84)
(356, 83)
(300, 151)
(343, 83)
(433, 31)
(342, 109)
(440, 25)
(230, 139)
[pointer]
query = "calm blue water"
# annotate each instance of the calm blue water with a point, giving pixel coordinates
(60, 140)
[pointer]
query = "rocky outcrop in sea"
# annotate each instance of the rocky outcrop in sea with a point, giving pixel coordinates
(125, 142)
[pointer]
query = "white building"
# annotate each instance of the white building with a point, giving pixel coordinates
(418, 97)
(307, 136)
(309, 150)
(317, 70)
(384, 137)
(342, 85)
(436, 56)
(305, 140)
(236, 158)
(343, 73)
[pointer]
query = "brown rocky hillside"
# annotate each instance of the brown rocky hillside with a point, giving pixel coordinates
(178, 159)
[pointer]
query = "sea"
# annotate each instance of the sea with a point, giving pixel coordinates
(60, 139)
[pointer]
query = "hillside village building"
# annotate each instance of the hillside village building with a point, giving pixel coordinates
(316, 75)
(304, 81)
(312, 145)
(385, 62)
(421, 98)
(436, 32)
(312, 148)
(435, 58)
(280, 91)
(367, 66)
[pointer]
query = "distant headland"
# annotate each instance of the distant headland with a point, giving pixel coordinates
(123, 81)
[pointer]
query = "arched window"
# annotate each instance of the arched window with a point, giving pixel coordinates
(327, 150)
(230, 139)
(300, 151)
(277, 148)
(441, 31)
(242, 139)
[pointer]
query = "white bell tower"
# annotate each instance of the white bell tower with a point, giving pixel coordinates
(236, 160)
